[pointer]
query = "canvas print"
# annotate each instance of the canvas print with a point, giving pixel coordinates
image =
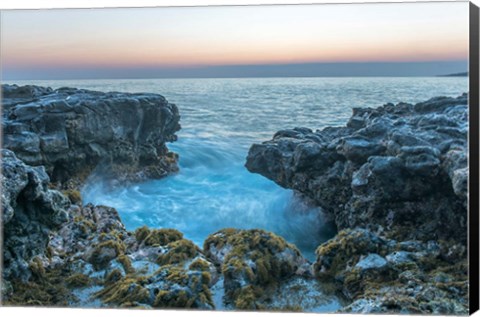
(306, 158)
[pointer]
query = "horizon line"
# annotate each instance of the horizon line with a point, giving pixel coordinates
(450, 75)
(288, 70)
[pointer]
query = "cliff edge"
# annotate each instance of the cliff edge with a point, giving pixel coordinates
(72, 132)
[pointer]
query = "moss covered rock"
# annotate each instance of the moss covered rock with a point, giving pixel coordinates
(78, 280)
(250, 260)
(156, 237)
(345, 249)
(127, 290)
(47, 287)
(74, 195)
(414, 292)
(380, 275)
(183, 288)
(101, 255)
(181, 278)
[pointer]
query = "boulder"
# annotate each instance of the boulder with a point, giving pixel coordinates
(252, 261)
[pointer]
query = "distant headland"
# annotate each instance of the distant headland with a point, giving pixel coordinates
(464, 74)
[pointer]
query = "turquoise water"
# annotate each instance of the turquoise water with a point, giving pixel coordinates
(220, 119)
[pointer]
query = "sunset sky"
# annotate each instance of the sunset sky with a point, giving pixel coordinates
(176, 42)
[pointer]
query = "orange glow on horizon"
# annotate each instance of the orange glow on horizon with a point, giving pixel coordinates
(114, 57)
(196, 37)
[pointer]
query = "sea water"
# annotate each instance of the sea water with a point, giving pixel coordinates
(221, 119)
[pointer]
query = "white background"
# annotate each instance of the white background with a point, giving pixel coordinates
(20, 4)
(30, 4)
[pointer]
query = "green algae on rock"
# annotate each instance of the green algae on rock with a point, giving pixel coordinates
(250, 260)
(157, 237)
(398, 252)
(380, 275)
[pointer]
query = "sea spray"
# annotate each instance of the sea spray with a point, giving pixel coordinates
(212, 191)
(221, 119)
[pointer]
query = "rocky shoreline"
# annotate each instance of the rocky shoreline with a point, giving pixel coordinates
(67, 254)
(73, 131)
(393, 180)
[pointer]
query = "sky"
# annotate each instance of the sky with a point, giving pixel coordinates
(395, 39)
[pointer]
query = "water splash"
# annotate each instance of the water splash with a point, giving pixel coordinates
(220, 119)
(212, 191)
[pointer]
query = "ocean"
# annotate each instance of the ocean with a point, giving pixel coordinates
(220, 119)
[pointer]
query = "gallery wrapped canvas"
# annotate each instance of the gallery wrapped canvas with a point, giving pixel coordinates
(304, 158)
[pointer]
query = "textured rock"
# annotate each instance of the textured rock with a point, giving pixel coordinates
(391, 168)
(252, 261)
(415, 292)
(381, 275)
(346, 249)
(101, 264)
(30, 210)
(73, 131)
(394, 179)
(395, 175)
(371, 261)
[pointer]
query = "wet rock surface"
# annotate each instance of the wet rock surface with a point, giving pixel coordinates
(381, 275)
(88, 259)
(250, 262)
(92, 260)
(73, 131)
(395, 167)
(394, 179)
(29, 211)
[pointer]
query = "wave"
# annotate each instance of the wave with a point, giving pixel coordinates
(212, 191)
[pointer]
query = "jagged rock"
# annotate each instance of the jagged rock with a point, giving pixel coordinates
(73, 131)
(145, 268)
(30, 211)
(346, 249)
(391, 168)
(419, 298)
(101, 264)
(396, 176)
(52, 244)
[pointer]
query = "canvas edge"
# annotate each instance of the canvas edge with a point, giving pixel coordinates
(474, 159)
(474, 87)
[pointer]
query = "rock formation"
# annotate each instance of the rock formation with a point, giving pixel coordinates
(251, 260)
(394, 179)
(399, 168)
(29, 211)
(59, 252)
(72, 131)
(381, 275)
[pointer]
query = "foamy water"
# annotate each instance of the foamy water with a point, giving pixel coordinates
(220, 119)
